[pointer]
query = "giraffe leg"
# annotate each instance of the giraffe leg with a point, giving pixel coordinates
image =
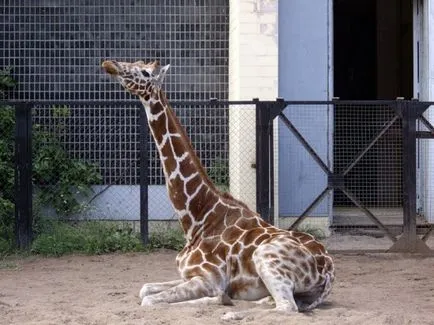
(153, 288)
(280, 288)
(220, 299)
(318, 298)
(268, 301)
(192, 289)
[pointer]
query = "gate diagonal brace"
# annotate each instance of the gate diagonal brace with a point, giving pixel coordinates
(428, 233)
(368, 213)
(336, 181)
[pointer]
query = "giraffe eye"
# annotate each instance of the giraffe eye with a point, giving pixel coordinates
(145, 73)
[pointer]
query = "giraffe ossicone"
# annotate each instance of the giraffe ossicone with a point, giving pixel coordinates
(230, 252)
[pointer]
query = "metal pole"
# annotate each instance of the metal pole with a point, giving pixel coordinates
(409, 241)
(271, 170)
(144, 177)
(262, 160)
(409, 173)
(23, 175)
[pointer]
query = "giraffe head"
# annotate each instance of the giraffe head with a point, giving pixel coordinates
(139, 78)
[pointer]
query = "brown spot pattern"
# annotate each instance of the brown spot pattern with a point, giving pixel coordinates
(176, 192)
(178, 146)
(159, 128)
(252, 235)
(314, 247)
(231, 234)
(170, 162)
(195, 258)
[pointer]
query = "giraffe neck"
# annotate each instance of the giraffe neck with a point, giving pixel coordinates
(190, 190)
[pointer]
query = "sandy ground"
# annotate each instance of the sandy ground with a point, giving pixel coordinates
(369, 289)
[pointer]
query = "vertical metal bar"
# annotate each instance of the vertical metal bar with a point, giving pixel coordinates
(409, 172)
(271, 170)
(23, 175)
(144, 177)
(262, 160)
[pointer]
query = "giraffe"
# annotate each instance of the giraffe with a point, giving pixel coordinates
(230, 252)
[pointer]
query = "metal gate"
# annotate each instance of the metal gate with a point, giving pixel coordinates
(403, 117)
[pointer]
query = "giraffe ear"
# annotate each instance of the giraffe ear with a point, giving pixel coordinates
(162, 73)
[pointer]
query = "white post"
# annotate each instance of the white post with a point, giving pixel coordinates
(252, 74)
(426, 87)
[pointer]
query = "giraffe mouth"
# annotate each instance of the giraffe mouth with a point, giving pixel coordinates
(111, 67)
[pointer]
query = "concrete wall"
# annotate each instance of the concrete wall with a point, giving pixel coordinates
(252, 73)
(122, 202)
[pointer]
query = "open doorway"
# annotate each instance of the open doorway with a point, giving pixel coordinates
(373, 59)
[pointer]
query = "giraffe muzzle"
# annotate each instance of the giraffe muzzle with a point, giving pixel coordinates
(110, 67)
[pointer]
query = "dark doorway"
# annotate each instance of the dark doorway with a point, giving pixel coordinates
(355, 49)
(373, 59)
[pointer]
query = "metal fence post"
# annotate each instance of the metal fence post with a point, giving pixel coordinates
(262, 160)
(23, 175)
(409, 241)
(144, 177)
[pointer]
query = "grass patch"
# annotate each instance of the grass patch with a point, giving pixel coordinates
(56, 238)
(8, 265)
(166, 237)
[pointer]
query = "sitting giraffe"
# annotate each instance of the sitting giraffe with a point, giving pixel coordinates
(230, 252)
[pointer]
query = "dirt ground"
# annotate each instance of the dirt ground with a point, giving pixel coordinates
(369, 289)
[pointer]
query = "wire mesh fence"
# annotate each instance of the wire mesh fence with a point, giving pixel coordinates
(331, 170)
(56, 48)
(347, 170)
(99, 148)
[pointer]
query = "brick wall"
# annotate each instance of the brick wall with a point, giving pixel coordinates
(252, 74)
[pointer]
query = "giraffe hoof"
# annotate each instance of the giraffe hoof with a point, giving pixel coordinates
(145, 291)
(146, 301)
(225, 300)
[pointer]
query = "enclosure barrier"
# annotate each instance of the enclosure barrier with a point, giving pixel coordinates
(405, 117)
(407, 112)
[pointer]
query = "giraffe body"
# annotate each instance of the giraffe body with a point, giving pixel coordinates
(230, 252)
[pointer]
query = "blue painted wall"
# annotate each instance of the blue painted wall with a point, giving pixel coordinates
(304, 74)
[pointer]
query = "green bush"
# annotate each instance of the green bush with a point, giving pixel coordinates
(169, 238)
(60, 183)
(6, 81)
(7, 130)
(219, 174)
(7, 222)
(313, 230)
